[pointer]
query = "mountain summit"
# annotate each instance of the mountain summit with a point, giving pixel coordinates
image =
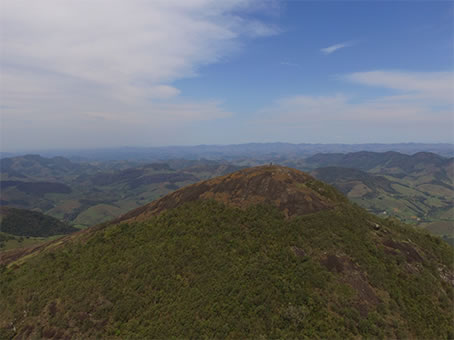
(266, 252)
(291, 191)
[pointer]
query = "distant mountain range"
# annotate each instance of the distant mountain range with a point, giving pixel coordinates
(391, 161)
(263, 151)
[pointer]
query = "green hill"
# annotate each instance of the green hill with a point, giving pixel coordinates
(38, 167)
(347, 180)
(417, 188)
(267, 252)
(387, 195)
(21, 222)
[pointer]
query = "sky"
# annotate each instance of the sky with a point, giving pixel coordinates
(108, 73)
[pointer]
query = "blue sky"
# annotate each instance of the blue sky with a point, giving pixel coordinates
(112, 73)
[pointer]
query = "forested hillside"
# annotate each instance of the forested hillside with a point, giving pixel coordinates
(248, 255)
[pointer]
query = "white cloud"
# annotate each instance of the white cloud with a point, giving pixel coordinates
(428, 84)
(62, 60)
(336, 47)
(423, 103)
(116, 43)
(164, 91)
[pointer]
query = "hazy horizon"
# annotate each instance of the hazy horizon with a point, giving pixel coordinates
(224, 151)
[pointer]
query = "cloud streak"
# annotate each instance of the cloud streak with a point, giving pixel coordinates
(286, 63)
(428, 84)
(336, 47)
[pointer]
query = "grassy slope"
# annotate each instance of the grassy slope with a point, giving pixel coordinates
(208, 270)
(8, 241)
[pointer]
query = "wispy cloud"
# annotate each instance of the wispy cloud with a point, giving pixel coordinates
(286, 63)
(336, 47)
(421, 102)
(428, 84)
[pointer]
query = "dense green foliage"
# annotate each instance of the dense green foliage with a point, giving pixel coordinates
(206, 270)
(23, 222)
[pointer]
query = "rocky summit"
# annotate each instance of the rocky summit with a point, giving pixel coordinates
(291, 191)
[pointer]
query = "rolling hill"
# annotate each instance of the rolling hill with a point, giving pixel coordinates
(21, 228)
(386, 194)
(414, 188)
(85, 194)
(37, 167)
(419, 188)
(266, 252)
(21, 222)
(347, 180)
(421, 164)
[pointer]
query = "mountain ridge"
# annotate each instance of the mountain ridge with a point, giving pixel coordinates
(367, 160)
(237, 150)
(292, 191)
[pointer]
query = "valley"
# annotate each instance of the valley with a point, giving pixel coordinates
(416, 189)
